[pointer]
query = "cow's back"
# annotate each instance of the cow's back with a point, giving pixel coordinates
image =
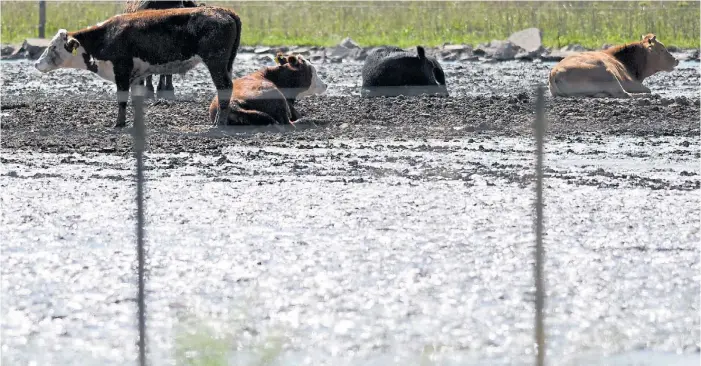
(393, 68)
(150, 34)
(590, 65)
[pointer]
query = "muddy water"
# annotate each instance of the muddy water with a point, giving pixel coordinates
(360, 251)
(394, 231)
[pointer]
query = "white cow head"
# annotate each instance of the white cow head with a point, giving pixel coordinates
(63, 51)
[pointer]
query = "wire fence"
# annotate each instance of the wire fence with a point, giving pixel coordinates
(378, 22)
(139, 136)
(348, 11)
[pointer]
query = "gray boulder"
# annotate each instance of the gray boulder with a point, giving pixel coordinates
(339, 52)
(358, 54)
(498, 50)
(349, 43)
(530, 40)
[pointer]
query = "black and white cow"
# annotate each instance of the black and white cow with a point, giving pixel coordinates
(392, 71)
(165, 82)
(128, 47)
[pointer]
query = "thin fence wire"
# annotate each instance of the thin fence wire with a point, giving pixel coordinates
(539, 250)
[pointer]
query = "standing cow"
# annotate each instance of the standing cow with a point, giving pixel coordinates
(165, 82)
(614, 72)
(392, 71)
(128, 47)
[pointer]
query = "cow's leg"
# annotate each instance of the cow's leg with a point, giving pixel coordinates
(294, 115)
(149, 87)
(222, 81)
(633, 86)
(122, 71)
(165, 87)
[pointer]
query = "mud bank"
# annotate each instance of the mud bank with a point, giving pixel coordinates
(182, 126)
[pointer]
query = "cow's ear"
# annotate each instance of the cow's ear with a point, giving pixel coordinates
(421, 52)
(280, 59)
(292, 60)
(72, 46)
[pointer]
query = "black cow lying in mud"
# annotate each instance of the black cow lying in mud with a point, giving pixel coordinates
(267, 96)
(392, 71)
(128, 47)
(165, 82)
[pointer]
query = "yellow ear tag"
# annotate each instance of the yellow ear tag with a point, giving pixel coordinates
(75, 52)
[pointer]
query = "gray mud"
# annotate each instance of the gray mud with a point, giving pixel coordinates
(384, 228)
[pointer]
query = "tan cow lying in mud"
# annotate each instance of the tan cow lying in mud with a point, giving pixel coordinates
(267, 96)
(614, 72)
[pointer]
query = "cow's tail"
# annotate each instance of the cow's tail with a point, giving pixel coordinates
(237, 42)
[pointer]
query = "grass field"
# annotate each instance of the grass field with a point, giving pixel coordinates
(407, 23)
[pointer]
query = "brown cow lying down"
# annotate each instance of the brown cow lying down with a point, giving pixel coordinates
(267, 96)
(614, 72)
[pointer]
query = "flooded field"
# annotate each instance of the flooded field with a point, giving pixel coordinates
(390, 231)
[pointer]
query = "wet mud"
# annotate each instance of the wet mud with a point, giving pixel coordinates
(373, 231)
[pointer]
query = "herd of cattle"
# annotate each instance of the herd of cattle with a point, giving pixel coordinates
(172, 37)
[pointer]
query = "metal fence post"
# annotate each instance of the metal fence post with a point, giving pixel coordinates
(42, 18)
(139, 143)
(538, 270)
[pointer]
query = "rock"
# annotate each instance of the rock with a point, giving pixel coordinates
(673, 49)
(246, 49)
(554, 56)
(573, 48)
(339, 52)
(499, 50)
(261, 50)
(449, 56)
(693, 55)
(606, 46)
(266, 58)
(453, 52)
(530, 40)
(465, 58)
(480, 50)
(304, 51)
(358, 54)
(317, 56)
(457, 48)
(283, 49)
(349, 43)
(7, 50)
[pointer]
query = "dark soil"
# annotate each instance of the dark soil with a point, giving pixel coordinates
(182, 126)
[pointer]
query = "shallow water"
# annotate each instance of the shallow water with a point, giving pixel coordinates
(358, 251)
